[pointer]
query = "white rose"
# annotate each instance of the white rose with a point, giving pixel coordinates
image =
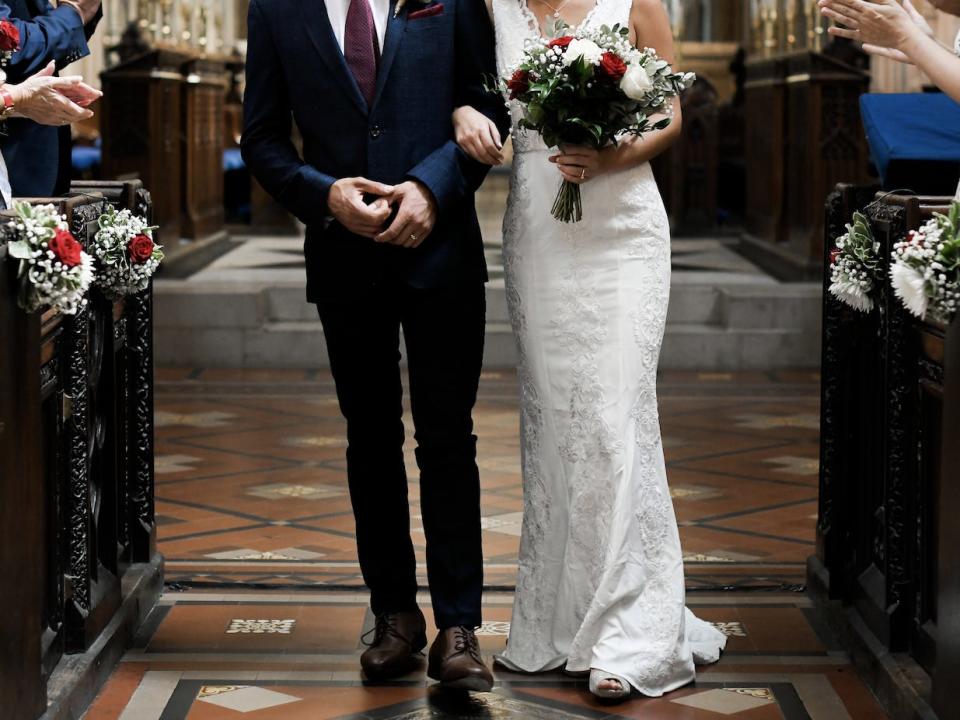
(636, 83)
(586, 49)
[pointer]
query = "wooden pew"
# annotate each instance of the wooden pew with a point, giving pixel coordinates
(889, 490)
(76, 475)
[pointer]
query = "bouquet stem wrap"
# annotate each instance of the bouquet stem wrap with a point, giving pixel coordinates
(568, 207)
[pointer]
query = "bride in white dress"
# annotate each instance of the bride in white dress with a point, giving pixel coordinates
(601, 585)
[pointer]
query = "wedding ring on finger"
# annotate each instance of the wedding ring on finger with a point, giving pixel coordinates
(583, 173)
(414, 237)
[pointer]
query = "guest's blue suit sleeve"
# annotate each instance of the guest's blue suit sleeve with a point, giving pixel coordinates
(449, 173)
(58, 35)
(266, 145)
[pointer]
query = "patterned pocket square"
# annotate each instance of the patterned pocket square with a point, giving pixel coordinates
(431, 11)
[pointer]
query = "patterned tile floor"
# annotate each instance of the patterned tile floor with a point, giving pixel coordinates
(265, 613)
(251, 481)
(294, 656)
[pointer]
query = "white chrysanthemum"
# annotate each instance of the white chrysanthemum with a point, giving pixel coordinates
(582, 48)
(909, 286)
(852, 293)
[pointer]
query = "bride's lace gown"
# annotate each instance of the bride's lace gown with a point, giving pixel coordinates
(600, 580)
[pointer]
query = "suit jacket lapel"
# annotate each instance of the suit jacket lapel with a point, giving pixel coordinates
(317, 23)
(396, 28)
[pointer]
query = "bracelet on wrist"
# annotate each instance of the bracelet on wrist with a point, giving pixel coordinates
(9, 102)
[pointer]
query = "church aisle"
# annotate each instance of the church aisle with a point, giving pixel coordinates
(251, 484)
(211, 656)
(264, 614)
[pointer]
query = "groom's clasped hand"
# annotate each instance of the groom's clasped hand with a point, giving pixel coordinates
(403, 214)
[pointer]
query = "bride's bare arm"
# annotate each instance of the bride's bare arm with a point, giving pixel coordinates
(651, 27)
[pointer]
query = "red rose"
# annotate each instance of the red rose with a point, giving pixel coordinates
(66, 248)
(561, 42)
(9, 37)
(518, 84)
(140, 249)
(613, 66)
(834, 254)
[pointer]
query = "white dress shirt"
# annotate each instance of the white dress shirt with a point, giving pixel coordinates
(337, 12)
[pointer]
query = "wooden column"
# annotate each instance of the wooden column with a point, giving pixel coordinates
(766, 126)
(202, 143)
(826, 145)
(141, 117)
(803, 136)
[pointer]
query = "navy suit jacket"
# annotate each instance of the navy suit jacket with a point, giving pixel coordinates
(36, 155)
(429, 66)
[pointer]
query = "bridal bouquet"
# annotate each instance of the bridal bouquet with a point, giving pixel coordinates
(54, 269)
(855, 269)
(126, 254)
(926, 267)
(591, 88)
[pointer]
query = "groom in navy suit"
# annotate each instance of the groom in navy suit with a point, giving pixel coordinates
(392, 243)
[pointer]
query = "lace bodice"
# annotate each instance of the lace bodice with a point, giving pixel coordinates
(517, 26)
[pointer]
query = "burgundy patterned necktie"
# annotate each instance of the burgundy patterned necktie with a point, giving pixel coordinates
(361, 47)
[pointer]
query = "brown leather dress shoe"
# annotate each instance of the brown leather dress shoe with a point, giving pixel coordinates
(456, 663)
(397, 640)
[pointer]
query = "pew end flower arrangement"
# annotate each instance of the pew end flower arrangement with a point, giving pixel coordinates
(855, 266)
(592, 88)
(925, 272)
(54, 270)
(126, 254)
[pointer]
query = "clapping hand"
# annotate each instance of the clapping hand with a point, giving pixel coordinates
(51, 100)
(884, 27)
(86, 9)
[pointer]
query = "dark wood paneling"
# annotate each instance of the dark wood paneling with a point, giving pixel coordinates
(22, 493)
(946, 678)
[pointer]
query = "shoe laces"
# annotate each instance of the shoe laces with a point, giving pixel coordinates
(386, 625)
(465, 642)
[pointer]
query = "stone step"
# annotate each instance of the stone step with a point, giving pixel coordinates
(795, 305)
(720, 327)
(688, 304)
(300, 344)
